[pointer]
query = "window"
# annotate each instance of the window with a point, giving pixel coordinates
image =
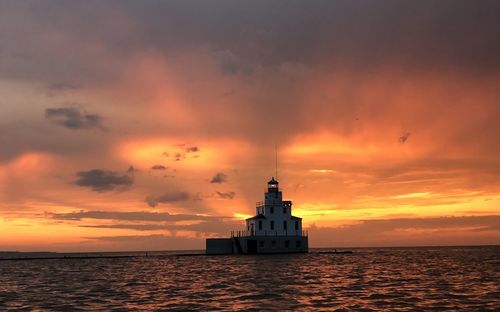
(297, 244)
(296, 225)
(261, 244)
(273, 243)
(284, 209)
(287, 244)
(272, 225)
(260, 225)
(272, 209)
(284, 225)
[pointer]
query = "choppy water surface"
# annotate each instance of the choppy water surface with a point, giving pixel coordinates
(370, 279)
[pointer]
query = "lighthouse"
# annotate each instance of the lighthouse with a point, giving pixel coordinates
(274, 215)
(273, 229)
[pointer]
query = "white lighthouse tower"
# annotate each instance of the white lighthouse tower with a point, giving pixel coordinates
(274, 215)
(273, 229)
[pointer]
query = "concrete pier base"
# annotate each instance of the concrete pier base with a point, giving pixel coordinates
(257, 245)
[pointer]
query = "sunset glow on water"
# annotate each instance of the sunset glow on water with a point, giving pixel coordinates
(379, 279)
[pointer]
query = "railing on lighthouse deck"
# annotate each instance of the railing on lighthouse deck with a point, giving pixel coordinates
(260, 207)
(245, 233)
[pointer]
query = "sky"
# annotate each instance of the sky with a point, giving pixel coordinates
(151, 125)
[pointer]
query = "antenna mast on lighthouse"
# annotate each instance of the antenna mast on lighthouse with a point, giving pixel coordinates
(276, 154)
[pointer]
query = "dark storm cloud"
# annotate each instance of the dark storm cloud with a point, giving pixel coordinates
(103, 180)
(73, 118)
(171, 197)
(127, 216)
(226, 195)
(417, 35)
(219, 178)
(275, 39)
(458, 34)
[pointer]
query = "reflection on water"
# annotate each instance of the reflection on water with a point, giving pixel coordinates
(382, 279)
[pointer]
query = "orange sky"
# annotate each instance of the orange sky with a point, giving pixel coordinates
(155, 126)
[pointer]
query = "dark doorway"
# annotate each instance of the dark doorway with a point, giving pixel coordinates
(252, 246)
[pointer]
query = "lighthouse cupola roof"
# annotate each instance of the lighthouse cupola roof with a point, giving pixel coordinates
(273, 185)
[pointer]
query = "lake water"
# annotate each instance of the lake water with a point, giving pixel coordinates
(450, 278)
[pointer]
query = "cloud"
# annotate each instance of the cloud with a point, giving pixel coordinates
(410, 232)
(159, 167)
(153, 201)
(180, 152)
(263, 33)
(404, 137)
(381, 232)
(128, 216)
(73, 118)
(219, 178)
(220, 227)
(103, 180)
(136, 227)
(178, 156)
(228, 195)
(192, 149)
